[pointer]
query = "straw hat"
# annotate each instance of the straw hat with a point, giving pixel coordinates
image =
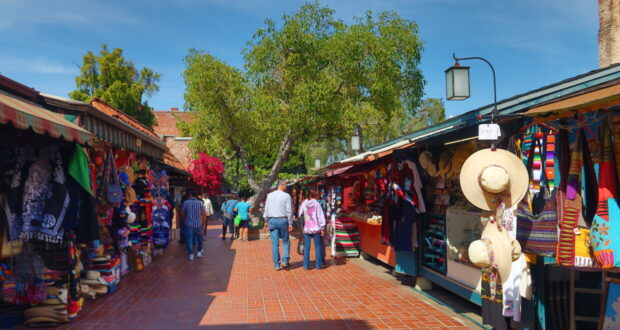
(460, 156)
(130, 195)
(426, 162)
(93, 275)
(495, 249)
(445, 164)
(489, 174)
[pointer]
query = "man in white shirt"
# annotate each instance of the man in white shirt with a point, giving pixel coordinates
(279, 215)
(208, 209)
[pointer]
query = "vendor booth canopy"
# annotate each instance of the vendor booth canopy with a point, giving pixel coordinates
(25, 115)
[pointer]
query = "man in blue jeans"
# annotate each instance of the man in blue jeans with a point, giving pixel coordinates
(193, 211)
(279, 214)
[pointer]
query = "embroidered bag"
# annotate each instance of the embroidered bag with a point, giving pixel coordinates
(537, 221)
(605, 226)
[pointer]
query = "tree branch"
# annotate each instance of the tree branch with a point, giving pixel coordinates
(283, 151)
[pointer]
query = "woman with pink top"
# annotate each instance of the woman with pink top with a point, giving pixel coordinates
(314, 225)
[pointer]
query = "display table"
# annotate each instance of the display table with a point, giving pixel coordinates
(370, 243)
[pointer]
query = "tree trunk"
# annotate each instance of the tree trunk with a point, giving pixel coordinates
(263, 189)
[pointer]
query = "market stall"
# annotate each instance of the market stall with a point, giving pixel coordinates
(80, 209)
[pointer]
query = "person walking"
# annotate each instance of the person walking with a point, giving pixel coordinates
(228, 210)
(279, 214)
(180, 220)
(314, 226)
(208, 210)
(193, 211)
(243, 210)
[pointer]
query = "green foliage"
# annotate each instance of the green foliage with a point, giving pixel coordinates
(430, 113)
(112, 78)
(312, 78)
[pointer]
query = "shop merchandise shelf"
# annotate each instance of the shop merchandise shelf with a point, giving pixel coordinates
(434, 242)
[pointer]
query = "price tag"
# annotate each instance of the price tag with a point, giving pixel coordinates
(489, 132)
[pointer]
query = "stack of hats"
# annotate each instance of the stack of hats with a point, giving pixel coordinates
(51, 312)
(95, 282)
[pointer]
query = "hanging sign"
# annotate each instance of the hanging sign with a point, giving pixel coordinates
(489, 132)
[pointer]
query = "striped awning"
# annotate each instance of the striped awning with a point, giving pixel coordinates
(25, 115)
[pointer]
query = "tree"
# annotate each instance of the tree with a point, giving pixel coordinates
(310, 79)
(430, 113)
(112, 78)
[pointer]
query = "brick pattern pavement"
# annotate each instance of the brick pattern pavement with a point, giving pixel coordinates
(235, 286)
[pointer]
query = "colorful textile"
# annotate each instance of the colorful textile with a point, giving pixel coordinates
(537, 168)
(78, 168)
(347, 238)
(537, 233)
(616, 128)
(46, 198)
(605, 227)
(550, 161)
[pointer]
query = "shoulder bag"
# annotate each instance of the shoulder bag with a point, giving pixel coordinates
(537, 228)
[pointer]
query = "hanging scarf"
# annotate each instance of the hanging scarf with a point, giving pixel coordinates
(46, 199)
(537, 168)
(78, 168)
(605, 229)
(569, 206)
(550, 161)
(15, 192)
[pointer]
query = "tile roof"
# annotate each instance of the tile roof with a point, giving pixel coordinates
(106, 108)
(167, 121)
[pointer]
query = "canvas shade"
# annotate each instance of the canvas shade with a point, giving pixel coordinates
(25, 115)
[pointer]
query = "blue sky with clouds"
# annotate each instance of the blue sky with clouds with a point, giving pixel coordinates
(531, 43)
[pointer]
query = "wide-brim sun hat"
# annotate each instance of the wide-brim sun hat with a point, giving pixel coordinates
(495, 249)
(491, 173)
(93, 275)
(460, 156)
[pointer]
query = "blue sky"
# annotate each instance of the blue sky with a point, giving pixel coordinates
(531, 43)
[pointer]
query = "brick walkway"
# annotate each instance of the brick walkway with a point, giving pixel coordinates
(235, 286)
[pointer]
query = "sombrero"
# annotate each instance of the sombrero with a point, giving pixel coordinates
(489, 174)
(495, 249)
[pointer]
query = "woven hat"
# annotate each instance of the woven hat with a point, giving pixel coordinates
(130, 195)
(128, 172)
(495, 249)
(93, 275)
(460, 156)
(445, 164)
(489, 174)
(426, 162)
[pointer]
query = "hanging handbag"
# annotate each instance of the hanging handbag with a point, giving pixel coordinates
(114, 192)
(537, 227)
(605, 226)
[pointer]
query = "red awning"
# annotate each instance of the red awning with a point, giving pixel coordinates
(24, 115)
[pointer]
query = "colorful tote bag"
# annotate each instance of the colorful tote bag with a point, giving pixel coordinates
(570, 206)
(538, 233)
(537, 219)
(605, 227)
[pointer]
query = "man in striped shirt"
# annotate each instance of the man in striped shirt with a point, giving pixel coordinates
(193, 211)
